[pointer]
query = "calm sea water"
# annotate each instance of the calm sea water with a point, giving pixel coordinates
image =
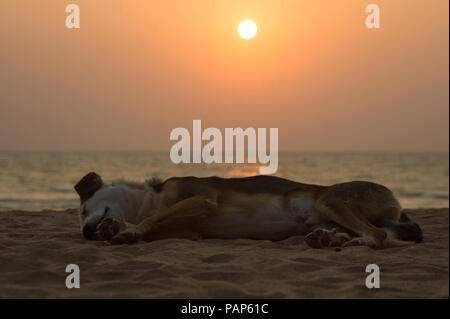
(44, 180)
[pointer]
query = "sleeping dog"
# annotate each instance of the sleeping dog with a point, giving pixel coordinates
(258, 207)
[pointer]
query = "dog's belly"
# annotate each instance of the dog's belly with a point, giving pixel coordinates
(260, 217)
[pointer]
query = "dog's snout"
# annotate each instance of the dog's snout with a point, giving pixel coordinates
(89, 231)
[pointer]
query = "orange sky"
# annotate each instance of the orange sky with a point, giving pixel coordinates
(138, 69)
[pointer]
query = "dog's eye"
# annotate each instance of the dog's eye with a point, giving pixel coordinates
(106, 209)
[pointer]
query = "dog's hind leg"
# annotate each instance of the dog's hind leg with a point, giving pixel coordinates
(350, 218)
(179, 220)
(403, 232)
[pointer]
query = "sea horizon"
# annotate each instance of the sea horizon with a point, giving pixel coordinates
(38, 180)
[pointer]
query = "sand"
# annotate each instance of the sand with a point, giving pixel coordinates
(35, 248)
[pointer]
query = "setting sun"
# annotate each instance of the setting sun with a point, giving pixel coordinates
(247, 29)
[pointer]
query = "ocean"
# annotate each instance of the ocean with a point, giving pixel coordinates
(44, 180)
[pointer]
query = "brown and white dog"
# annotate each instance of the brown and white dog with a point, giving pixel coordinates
(259, 207)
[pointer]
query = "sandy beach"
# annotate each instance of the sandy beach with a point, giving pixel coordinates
(35, 248)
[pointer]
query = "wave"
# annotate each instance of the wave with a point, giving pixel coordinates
(33, 200)
(441, 196)
(410, 194)
(61, 190)
(31, 204)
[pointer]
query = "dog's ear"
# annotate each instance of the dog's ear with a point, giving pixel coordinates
(88, 185)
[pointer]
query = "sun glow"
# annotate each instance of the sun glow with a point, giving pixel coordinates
(247, 29)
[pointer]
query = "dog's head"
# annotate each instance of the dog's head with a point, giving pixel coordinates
(98, 201)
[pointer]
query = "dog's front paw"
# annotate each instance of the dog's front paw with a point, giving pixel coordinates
(128, 236)
(108, 228)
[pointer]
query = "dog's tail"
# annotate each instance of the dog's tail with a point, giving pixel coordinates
(405, 229)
